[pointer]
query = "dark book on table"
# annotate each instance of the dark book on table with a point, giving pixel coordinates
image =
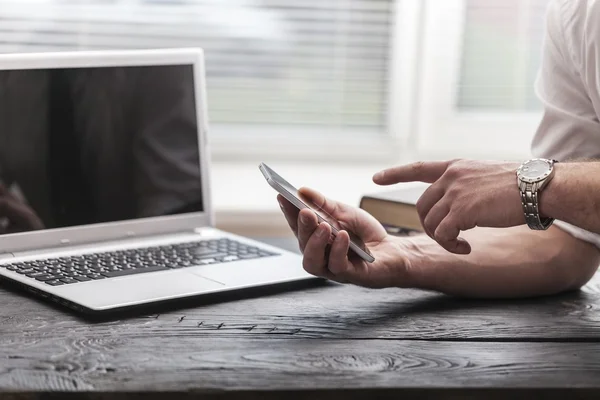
(396, 208)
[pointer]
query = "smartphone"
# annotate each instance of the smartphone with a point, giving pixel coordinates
(291, 194)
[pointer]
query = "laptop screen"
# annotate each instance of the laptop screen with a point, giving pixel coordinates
(93, 145)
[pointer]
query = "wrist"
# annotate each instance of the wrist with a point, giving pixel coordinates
(419, 257)
(550, 197)
(533, 178)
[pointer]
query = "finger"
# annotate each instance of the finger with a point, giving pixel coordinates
(428, 172)
(19, 214)
(430, 197)
(307, 223)
(290, 212)
(447, 233)
(316, 199)
(315, 254)
(338, 256)
(342, 216)
(436, 215)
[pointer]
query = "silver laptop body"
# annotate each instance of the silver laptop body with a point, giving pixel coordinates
(114, 210)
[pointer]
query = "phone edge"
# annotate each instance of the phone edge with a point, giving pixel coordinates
(292, 199)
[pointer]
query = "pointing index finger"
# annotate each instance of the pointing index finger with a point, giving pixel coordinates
(422, 171)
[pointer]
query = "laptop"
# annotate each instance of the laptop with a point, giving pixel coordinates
(105, 198)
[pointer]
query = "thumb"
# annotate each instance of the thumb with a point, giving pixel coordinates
(344, 217)
(320, 203)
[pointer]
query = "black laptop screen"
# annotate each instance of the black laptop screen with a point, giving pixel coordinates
(92, 145)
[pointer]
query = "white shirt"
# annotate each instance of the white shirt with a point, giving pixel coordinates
(568, 85)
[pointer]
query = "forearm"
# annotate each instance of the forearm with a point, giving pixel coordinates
(513, 262)
(573, 195)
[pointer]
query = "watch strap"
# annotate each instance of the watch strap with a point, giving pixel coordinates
(529, 200)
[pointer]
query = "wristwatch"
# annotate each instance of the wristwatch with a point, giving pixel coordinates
(532, 176)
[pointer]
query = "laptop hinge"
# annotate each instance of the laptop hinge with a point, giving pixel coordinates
(6, 255)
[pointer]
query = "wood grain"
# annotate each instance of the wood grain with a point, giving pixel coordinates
(332, 311)
(325, 341)
(328, 394)
(147, 364)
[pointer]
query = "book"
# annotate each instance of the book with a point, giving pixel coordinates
(396, 208)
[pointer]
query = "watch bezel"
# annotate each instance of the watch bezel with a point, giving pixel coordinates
(538, 178)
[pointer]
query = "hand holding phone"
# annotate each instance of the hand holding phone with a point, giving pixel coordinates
(293, 196)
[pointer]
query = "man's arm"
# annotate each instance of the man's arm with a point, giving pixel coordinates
(504, 263)
(511, 262)
(573, 195)
(570, 126)
(468, 193)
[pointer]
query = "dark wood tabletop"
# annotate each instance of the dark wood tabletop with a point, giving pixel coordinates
(322, 340)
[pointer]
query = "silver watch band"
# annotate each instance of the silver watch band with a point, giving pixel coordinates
(529, 200)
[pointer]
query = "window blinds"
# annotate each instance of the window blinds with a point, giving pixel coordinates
(308, 63)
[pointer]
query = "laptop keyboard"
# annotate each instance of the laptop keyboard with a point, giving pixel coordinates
(88, 267)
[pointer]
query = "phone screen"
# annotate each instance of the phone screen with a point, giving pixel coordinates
(321, 213)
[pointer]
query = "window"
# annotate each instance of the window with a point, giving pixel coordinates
(480, 60)
(278, 70)
(501, 54)
(369, 80)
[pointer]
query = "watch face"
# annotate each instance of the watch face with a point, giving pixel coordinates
(535, 170)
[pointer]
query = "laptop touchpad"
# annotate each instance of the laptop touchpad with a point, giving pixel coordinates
(140, 288)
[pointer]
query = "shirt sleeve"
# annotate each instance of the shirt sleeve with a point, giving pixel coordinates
(569, 128)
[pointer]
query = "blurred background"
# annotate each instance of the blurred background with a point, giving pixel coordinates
(326, 92)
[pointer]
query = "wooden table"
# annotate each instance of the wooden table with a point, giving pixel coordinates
(323, 341)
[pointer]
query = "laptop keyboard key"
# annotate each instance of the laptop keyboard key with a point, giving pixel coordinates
(38, 274)
(48, 278)
(200, 251)
(113, 274)
(211, 255)
(26, 271)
